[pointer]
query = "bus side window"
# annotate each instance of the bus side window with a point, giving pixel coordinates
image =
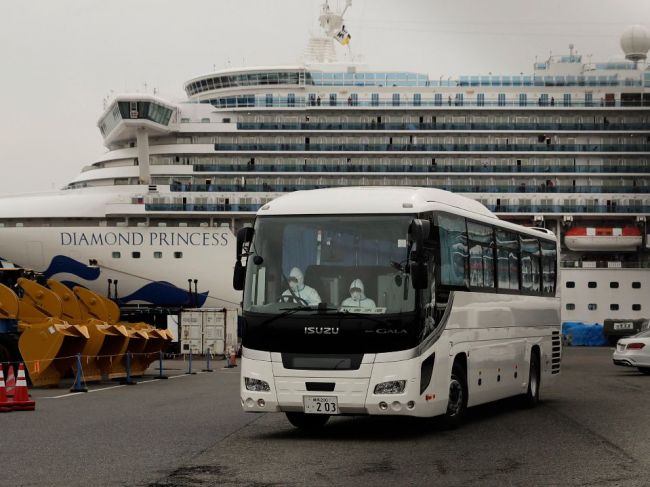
(453, 250)
(530, 265)
(481, 255)
(507, 260)
(549, 259)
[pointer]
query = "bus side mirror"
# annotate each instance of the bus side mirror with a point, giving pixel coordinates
(419, 231)
(244, 238)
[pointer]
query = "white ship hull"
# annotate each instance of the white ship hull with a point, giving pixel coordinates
(167, 259)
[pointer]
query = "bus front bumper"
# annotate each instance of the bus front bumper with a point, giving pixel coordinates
(353, 390)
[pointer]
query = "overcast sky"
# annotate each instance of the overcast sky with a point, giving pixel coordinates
(60, 58)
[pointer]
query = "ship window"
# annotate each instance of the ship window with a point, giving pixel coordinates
(636, 307)
(613, 307)
(592, 306)
(116, 255)
(157, 255)
(570, 306)
(178, 255)
(135, 255)
(592, 284)
(613, 285)
(636, 285)
(570, 284)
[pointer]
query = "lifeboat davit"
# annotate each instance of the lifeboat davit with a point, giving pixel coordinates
(612, 239)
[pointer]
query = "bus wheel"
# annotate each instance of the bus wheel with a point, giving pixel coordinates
(308, 422)
(457, 403)
(531, 398)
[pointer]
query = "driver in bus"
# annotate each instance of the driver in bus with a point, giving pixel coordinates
(299, 289)
(357, 297)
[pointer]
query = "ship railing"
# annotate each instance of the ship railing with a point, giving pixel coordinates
(456, 188)
(444, 103)
(603, 264)
(540, 147)
(506, 209)
(419, 168)
(607, 126)
(569, 209)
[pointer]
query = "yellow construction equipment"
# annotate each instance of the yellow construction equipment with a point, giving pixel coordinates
(47, 344)
(145, 341)
(107, 343)
(52, 325)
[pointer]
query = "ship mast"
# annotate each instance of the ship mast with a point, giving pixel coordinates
(321, 47)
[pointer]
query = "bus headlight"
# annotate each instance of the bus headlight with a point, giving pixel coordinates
(391, 387)
(256, 385)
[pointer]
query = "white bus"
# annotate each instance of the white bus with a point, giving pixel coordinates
(393, 301)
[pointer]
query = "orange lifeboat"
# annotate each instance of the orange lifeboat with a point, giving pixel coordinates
(603, 239)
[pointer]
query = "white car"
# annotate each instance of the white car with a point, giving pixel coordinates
(634, 351)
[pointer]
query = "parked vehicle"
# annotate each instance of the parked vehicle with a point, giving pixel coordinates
(634, 351)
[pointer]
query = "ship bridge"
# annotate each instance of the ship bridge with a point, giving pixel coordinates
(129, 112)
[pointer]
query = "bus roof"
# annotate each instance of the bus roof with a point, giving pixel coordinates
(384, 200)
(369, 200)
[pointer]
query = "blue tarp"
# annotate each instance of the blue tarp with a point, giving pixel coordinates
(576, 333)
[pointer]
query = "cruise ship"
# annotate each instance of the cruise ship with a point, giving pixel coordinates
(564, 146)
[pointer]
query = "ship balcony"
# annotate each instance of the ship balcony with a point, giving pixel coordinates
(498, 209)
(537, 127)
(428, 148)
(418, 168)
(455, 188)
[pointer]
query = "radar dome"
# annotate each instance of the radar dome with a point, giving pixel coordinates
(635, 42)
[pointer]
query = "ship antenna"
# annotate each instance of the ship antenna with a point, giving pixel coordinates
(320, 48)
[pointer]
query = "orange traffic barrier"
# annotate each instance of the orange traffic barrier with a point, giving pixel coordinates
(22, 402)
(5, 404)
(233, 358)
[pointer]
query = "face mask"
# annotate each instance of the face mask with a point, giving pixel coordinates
(356, 295)
(293, 285)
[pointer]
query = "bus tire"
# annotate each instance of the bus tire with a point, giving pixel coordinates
(644, 370)
(531, 398)
(308, 422)
(457, 402)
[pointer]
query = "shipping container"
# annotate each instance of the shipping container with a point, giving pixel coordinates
(212, 331)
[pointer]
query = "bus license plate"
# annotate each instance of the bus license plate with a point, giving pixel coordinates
(626, 325)
(320, 405)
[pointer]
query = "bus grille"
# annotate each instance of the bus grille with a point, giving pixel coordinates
(556, 354)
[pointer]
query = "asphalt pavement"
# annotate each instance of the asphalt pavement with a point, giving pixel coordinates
(590, 429)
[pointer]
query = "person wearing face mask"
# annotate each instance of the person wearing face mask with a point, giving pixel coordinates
(299, 289)
(357, 297)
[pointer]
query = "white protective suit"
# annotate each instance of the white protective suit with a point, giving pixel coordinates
(299, 289)
(358, 299)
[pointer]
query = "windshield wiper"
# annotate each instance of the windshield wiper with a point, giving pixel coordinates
(290, 311)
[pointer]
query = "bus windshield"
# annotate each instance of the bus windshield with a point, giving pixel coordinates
(334, 263)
